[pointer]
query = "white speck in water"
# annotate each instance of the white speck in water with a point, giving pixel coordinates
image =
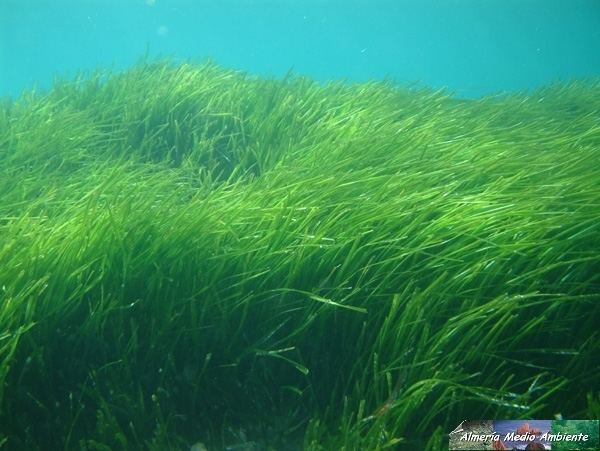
(163, 30)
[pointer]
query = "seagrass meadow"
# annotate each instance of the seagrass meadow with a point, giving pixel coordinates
(196, 258)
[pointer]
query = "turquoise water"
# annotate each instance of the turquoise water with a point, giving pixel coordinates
(469, 47)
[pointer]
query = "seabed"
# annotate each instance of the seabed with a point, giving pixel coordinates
(193, 256)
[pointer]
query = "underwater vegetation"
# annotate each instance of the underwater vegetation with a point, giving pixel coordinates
(195, 258)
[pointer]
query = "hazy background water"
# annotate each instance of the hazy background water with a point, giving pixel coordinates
(470, 46)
